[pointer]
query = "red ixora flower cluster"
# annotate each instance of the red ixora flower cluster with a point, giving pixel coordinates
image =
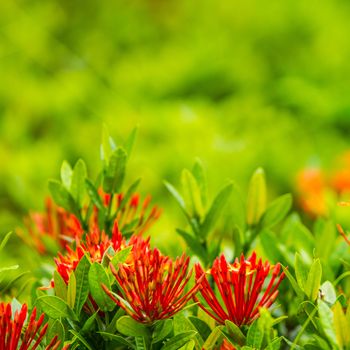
(153, 285)
(240, 286)
(96, 244)
(63, 227)
(15, 335)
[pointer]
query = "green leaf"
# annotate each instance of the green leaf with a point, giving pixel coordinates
(294, 283)
(275, 344)
(60, 286)
(174, 192)
(179, 340)
(66, 175)
(129, 143)
(88, 325)
(327, 321)
(301, 271)
(93, 194)
(82, 289)
(235, 332)
(81, 339)
(192, 194)
(128, 326)
(71, 291)
(193, 244)
(256, 201)
(61, 196)
(199, 174)
(341, 326)
(328, 293)
(120, 257)
(215, 210)
(55, 328)
(117, 338)
(77, 188)
(314, 280)
(97, 277)
(140, 343)
(201, 326)
(115, 172)
(189, 345)
(161, 330)
(5, 240)
(255, 335)
(277, 211)
(107, 144)
(53, 306)
(214, 337)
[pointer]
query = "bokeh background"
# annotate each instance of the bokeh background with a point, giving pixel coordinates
(238, 84)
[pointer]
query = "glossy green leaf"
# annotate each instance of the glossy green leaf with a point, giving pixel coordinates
(327, 321)
(214, 337)
(82, 283)
(60, 286)
(161, 330)
(215, 210)
(71, 290)
(179, 340)
(128, 326)
(341, 326)
(120, 257)
(129, 143)
(199, 174)
(255, 335)
(53, 306)
(202, 327)
(256, 201)
(98, 276)
(314, 280)
(301, 271)
(277, 211)
(193, 244)
(66, 175)
(93, 194)
(77, 188)
(192, 194)
(55, 328)
(328, 293)
(61, 196)
(235, 332)
(115, 172)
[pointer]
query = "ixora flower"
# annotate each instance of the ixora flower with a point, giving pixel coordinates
(55, 223)
(16, 333)
(96, 244)
(241, 288)
(133, 215)
(153, 285)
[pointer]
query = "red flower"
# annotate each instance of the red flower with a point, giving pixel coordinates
(153, 286)
(55, 223)
(96, 245)
(15, 335)
(241, 288)
(134, 215)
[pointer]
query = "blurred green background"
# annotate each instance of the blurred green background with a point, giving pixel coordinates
(238, 84)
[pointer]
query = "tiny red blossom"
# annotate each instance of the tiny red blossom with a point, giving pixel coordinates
(153, 286)
(241, 288)
(16, 333)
